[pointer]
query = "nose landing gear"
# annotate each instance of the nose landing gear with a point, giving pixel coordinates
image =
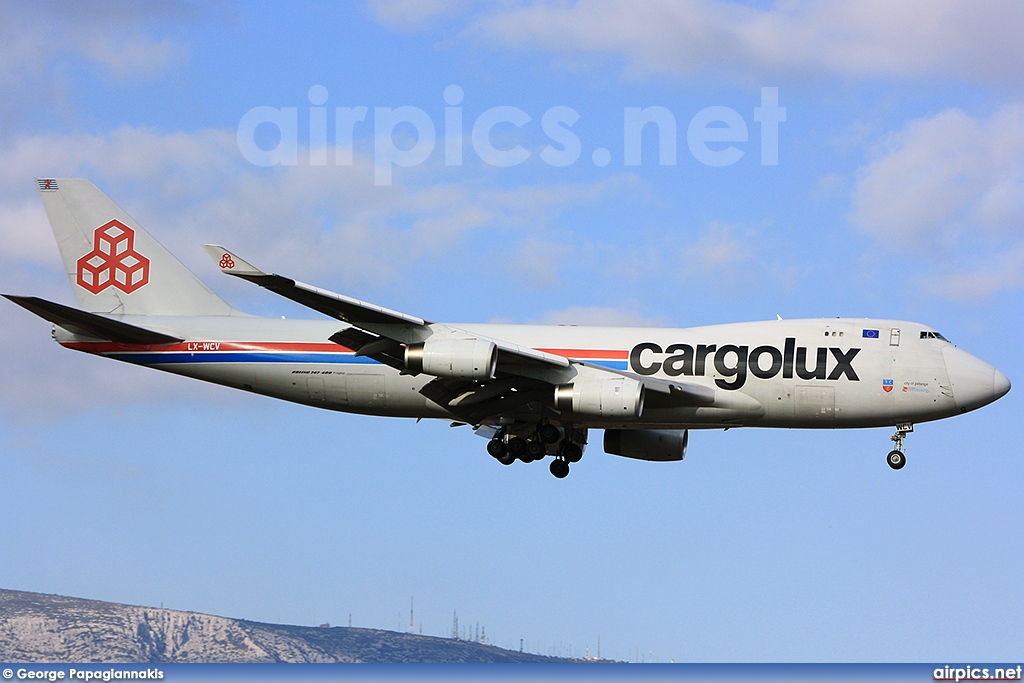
(896, 459)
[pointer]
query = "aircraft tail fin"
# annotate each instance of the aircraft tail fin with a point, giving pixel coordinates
(114, 265)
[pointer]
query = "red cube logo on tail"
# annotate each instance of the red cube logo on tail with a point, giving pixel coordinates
(113, 261)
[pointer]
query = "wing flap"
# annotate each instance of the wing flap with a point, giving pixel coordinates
(473, 402)
(381, 349)
(669, 391)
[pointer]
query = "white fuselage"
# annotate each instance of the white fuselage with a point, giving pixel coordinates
(818, 373)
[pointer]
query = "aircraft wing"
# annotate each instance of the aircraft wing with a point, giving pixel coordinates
(378, 325)
(344, 308)
(521, 375)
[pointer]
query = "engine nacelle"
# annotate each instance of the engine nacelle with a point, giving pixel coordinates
(459, 358)
(660, 445)
(620, 397)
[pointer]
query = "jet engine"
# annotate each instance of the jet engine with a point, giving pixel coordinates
(661, 445)
(458, 358)
(620, 397)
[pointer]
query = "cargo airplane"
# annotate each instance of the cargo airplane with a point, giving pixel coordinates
(533, 390)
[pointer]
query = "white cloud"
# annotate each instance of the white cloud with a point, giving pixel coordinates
(539, 263)
(21, 237)
(998, 272)
(112, 35)
(412, 15)
(950, 173)
(134, 58)
(38, 41)
(931, 38)
(948, 191)
(715, 253)
(601, 316)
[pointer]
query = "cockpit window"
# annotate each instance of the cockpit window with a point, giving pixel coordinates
(926, 334)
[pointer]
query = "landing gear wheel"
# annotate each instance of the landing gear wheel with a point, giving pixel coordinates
(535, 450)
(559, 468)
(548, 433)
(506, 459)
(516, 447)
(572, 452)
(896, 460)
(496, 448)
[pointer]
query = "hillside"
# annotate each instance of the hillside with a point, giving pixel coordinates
(35, 627)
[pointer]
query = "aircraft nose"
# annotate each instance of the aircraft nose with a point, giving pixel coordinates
(974, 382)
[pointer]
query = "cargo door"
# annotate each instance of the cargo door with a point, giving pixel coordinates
(366, 390)
(815, 404)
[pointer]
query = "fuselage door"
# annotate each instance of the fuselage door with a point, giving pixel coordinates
(815, 404)
(894, 336)
(366, 390)
(315, 387)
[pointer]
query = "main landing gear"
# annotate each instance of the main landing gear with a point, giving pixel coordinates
(896, 459)
(507, 446)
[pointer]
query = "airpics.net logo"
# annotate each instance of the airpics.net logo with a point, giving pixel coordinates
(715, 136)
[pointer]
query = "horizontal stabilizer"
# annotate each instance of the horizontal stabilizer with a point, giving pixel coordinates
(91, 324)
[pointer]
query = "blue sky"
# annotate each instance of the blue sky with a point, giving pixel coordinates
(898, 192)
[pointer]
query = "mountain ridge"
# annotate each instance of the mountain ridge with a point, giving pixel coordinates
(39, 627)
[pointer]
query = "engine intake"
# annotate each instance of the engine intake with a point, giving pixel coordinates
(613, 398)
(458, 358)
(660, 445)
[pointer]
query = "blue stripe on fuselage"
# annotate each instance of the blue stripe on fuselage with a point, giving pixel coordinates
(610, 364)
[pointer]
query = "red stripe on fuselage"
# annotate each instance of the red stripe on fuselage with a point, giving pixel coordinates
(589, 354)
(318, 347)
(201, 346)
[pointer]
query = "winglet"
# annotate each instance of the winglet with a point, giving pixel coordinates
(230, 263)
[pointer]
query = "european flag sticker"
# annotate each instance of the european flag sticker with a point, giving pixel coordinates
(870, 334)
